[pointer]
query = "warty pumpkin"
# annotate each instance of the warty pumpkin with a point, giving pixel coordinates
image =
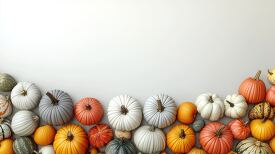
(24, 145)
(120, 146)
(262, 129)
(252, 146)
(187, 112)
(261, 111)
(196, 150)
(5, 130)
(272, 144)
(271, 75)
(6, 146)
(123, 134)
(7, 82)
(100, 135)
(5, 106)
(235, 106)
(44, 135)
(239, 129)
(270, 96)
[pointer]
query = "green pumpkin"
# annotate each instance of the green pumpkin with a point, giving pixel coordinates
(198, 125)
(7, 82)
(120, 146)
(24, 145)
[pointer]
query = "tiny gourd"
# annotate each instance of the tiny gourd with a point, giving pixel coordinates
(48, 149)
(235, 106)
(261, 111)
(7, 82)
(160, 110)
(187, 112)
(123, 134)
(5, 129)
(253, 146)
(262, 129)
(270, 96)
(6, 146)
(44, 135)
(5, 106)
(24, 145)
(198, 125)
(100, 135)
(271, 75)
(120, 146)
(239, 129)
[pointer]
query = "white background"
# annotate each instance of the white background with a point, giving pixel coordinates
(103, 48)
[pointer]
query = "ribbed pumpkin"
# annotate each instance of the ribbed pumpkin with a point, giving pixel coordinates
(262, 129)
(253, 89)
(44, 135)
(252, 146)
(270, 96)
(180, 138)
(261, 111)
(88, 111)
(5, 106)
(271, 75)
(187, 112)
(47, 150)
(198, 125)
(272, 144)
(196, 150)
(235, 106)
(7, 82)
(70, 139)
(123, 134)
(56, 107)
(216, 138)
(24, 145)
(6, 146)
(5, 131)
(100, 135)
(239, 129)
(120, 146)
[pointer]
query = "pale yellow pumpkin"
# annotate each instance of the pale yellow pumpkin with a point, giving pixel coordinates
(271, 75)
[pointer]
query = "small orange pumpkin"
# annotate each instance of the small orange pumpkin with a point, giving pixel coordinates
(100, 135)
(262, 129)
(239, 129)
(44, 135)
(272, 144)
(6, 146)
(196, 150)
(270, 96)
(187, 112)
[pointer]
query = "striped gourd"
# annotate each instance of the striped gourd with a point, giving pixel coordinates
(5, 106)
(24, 145)
(120, 146)
(5, 131)
(7, 82)
(252, 145)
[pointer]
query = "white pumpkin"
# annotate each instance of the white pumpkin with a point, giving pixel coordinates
(124, 113)
(24, 123)
(210, 106)
(5, 106)
(47, 150)
(235, 106)
(25, 96)
(149, 139)
(160, 110)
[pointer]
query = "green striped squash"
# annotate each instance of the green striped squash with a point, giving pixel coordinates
(24, 145)
(120, 146)
(7, 82)
(252, 145)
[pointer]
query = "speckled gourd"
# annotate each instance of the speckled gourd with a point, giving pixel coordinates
(7, 82)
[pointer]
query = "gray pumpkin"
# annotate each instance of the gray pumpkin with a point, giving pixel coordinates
(198, 125)
(120, 146)
(56, 107)
(7, 82)
(24, 145)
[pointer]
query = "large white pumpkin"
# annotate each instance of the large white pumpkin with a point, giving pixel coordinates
(5, 106)
(25, 96)
(124, 113)
(47, 150)
(235, 106)
(160, 110)
(149, 139)
(210, 106)
(24, 123)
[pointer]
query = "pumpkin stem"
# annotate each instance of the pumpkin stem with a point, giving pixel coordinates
(211, 99)
(70, 136)
(257, 76)
(53, 99)
(121, 140)
(124, 110)
(182, 133)
(246, 123)
(88, 107)
(8, 98)
(230, 103)
(152, 128)
(160, 107)
(269, 72)
(1, 120)
(24, 92)
(219, 131)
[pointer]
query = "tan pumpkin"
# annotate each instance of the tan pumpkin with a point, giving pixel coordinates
(262, 129)
(44, 135)
(123, 134)
(260, 111)
(272, 144)
(252, 146)
(6, 146)
(196, 150)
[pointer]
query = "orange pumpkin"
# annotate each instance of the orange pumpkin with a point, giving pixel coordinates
(253, 89)
(88, 111)
(196, 150)
(216, 138)
(187, 112)
(163, 152)
(272, 144)
(262, 129)
(270, 96)
(100, 135)
(180, 138)
(70, 139)
(6, 146)
(44, 135)
(239, 129)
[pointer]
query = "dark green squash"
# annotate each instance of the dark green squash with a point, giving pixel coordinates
(24, 145)
(7, 82)
(198, 125)
(120, 146)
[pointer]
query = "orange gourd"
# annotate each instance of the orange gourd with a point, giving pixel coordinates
(180, 138)
(196, 150)
(187, 112)
(88, 111)
(270, 96)
(272, 144)
(239, 129)
(6, 146)
(100, 135)
(262, 129)
(216, 138)
(44, 135)
(70, 139)
(253, 89)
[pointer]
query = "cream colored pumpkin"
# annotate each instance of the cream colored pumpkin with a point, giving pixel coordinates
(271, 75)
(5, 106)
(235, 106)
(47, 150)
(123, 134)
(253, 146)
(210, 106)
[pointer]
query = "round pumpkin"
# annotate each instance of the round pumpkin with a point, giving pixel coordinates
(210, 106)
(70, 139)
(180, 138)
(271, 75)
(272, 144)
(5, 106)
(216, 138)
(7, 82)
(24, 123)
(253, 89)
(239, 129)
(48, 149)
(6, 146)
(270, 96)
(198, 125)
(100, 135)
(149, 139)
(187, 112)
(123, 134)
(44, 135)
(25, 96)
(252, 146)
(56, 107)
(124, 113)
(120, 146)
(5, 131)
(24, 145)
(262, 129)
(88, 111)
(235, 106)
(160, 110)
(261, 111)
(196, 150)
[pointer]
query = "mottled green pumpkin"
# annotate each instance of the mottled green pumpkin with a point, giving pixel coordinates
(198, 125)
(7, 82)
(24, 145)
(120, 146)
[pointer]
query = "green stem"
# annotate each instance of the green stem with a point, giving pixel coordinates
(257, 76)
